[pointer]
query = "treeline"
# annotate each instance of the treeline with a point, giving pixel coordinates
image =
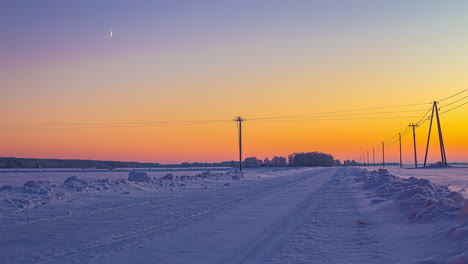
(13, 163)
(309, 159)
(294, 160)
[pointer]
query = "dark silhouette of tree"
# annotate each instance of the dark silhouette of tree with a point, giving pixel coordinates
(349, 163)
(279, 161)
(252, 162)
(311, 159)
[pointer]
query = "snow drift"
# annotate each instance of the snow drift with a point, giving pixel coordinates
(16, 199)
(422, 198)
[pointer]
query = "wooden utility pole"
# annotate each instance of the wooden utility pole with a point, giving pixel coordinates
(368, 163)
(429, 136)
(373, 155)
(239, 121)
(399, 137)
(414, 144)
(435, 110)
(441, 138)
(383, 154)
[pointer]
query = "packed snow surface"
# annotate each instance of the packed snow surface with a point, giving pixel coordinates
(271, 215)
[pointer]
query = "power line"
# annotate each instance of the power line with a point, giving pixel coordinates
(454, 108)
(115, 123)
(425, 118)
(335, 112)
(84, 126)
(421, 121)
(341, 115)
(453, 95)
(454, 102)
(152, 123)
(333, 115)
(51, 126)
(332, 119)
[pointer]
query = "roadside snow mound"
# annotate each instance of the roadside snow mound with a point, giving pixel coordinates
(422, 198)
(138, 176)
(31, 194)
(235, 174)
(15, 199)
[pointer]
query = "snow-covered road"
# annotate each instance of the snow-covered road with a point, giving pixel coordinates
(310, 215)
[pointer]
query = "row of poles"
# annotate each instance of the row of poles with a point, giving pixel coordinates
(362, 159)
(435, 111)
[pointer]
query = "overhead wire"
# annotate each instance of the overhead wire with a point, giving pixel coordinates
(332, 119)
(451, 109)
(332, 115)
(342, 115)
(108, 125)
(426, 117)
(305, 117)
(452, 95)
(336, 112)
(38, 126)
(453, 102)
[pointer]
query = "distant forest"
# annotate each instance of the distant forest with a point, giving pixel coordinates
(293, 160)
(308, 159)
(8, 163)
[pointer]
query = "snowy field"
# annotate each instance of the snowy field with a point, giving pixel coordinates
(271, 215)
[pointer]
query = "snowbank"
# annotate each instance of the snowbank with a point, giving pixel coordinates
(425, 201)
(421, 197)
(31, 194)
(16, 199)
(138, 176)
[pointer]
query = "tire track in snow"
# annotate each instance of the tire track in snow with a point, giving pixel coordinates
(335, 232)
(227, 237)
(81, 213)
(126, 239)
(277, 234)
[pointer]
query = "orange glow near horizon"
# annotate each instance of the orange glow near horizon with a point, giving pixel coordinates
(218, 142)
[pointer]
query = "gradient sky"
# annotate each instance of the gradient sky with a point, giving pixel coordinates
(214, 60)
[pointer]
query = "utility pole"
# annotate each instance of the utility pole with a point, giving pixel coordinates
(441, 139)
(429, 136)
(383, 154)
(368, 163)
(373, 155)
(399, 137)
(414, 144)
(239, 121)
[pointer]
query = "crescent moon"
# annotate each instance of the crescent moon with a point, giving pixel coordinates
(110, 34)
